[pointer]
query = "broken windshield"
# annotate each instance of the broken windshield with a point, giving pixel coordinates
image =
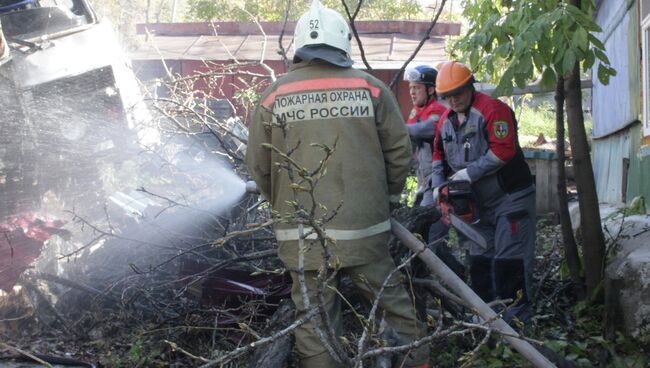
(29, 19)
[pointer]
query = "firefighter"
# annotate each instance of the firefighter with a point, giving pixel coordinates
(323, 100)
(477, 139)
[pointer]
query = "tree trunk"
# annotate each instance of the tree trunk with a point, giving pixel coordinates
(593, 241)
(569, 242)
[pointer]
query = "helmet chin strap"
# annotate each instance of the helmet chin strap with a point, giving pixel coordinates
(429, 95)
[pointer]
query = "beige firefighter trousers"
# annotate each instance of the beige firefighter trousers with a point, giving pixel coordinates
(368, 278)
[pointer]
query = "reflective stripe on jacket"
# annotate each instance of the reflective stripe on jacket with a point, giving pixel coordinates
(356, 115)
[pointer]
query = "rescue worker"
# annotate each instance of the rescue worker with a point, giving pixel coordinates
(421, 125)
(323, 100)
(477, 139)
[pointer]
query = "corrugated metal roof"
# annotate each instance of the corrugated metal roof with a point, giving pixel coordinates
(383, 50)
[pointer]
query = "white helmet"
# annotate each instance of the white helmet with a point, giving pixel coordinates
(320, 25)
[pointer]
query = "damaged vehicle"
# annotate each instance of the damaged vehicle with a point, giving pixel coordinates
(67, 97)
(70, 111)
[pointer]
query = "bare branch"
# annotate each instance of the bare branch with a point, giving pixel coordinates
(26, 353)
(351, 18)
(281, 49)
(426, 37)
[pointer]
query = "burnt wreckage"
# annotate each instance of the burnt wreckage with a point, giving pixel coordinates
(66, 95)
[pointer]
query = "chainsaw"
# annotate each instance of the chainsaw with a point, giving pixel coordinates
(456, 202)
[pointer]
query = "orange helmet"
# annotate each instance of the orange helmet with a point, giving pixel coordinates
(452, 78)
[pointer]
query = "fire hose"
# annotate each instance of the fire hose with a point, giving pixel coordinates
(440, 269)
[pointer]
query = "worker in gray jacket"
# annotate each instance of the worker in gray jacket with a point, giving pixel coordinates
(478, 140)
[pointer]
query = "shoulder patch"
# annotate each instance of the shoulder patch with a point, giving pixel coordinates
(500, 129)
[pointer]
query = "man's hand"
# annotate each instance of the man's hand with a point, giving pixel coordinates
(461, 175)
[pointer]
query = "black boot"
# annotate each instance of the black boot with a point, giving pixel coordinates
(480, 272)
(509, 278)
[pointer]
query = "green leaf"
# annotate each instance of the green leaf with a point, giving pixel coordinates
(602, 56)
(503, 49)
(596, 42)
(580, 39)
(504, 88)
(577, 15)
(603, 74)
(520, 79)
(557, 345)
(559, 55)
(569, 61)
(590, 58)
(545, 48)
(612, 72)
(572, 357)
(548, 77)
(529, 36)
(473, 57)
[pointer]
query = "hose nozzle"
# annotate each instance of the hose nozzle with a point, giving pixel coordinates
(251, 187)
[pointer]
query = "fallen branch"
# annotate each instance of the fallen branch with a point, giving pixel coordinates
(261, 342)
(27, 354)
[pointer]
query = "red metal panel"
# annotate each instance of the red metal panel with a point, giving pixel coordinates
(404, 99)
(21, 243)
(213, 82)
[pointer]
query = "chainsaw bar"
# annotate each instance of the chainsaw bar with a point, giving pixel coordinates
(468, 231)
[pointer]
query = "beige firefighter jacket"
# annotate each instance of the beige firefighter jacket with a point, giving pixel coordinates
(356, 115)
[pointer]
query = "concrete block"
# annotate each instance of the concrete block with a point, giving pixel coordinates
(627, 279)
